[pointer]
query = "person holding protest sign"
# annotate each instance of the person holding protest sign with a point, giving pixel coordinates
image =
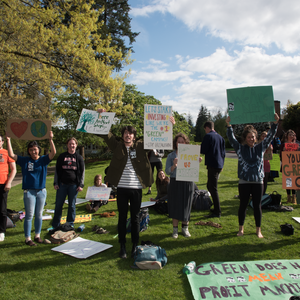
(34, 172)
(95, 205)
(68, 181)
(6, 179)
(268, 155)
(180, 193)
(130, 172)
(250, 170)
(289, 138)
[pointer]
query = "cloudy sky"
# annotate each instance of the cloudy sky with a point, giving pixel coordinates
(189, 52)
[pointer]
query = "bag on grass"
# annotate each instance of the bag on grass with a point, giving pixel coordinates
(9, 223)
(266, 200)
(276, 198)
(161, 207)
(150, 257)
(144, 220)
(287, 229)
(61, 237)
(201, 200)
(13, 215)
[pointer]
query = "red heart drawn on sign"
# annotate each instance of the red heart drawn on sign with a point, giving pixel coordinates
(18, 129)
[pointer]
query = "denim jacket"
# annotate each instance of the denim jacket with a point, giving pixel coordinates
(169, 164)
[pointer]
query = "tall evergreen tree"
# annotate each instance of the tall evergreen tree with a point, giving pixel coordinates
(203, 116)
(117, 25)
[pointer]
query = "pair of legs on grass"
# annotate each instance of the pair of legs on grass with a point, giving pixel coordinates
(3, 211)
(34, 201)
(256, 190)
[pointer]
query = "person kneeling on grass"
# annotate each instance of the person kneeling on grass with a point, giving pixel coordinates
(250, 170)
(95, 205)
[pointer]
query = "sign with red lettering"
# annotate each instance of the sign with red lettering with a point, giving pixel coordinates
(267, 279)
(291, 146)
(291, 170)
(158, 130)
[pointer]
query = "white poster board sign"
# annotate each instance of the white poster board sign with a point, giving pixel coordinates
(157, 127)
(91, 121)
(188, 163)
(97, 193)
(81, 248)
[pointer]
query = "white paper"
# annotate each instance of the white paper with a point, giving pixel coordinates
(78, 201)
(92, 122)
(158, 130)
(81, 248)
(147, 204)
(297, 219)
(188, 163)
(97, 193)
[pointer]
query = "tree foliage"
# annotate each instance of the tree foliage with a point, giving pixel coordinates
(43, 52)
(292, 118)
(203, 116)
(116, 23)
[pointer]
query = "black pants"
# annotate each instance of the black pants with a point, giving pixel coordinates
(255, 189)
(3, 208)
(212, 186)
(135, 198)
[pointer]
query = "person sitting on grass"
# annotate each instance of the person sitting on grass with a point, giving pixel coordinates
(95, 205)
(162, 183)
(250, 170)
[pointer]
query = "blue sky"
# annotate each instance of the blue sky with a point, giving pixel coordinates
(189, 52)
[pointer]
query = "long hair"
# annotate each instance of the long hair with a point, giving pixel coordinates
(178, 135)
(285, 136)
(158, 182)
(97, 177)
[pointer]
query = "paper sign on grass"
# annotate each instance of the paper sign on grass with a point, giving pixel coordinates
(157, 127)
(78, 219)
(188, 163)
(251, 105)
(97, 193)
(81, 248)
(291, 170)
(28, 129)
(92, 122)
(251, 280)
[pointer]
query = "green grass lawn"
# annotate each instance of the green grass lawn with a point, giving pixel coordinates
(37, 272)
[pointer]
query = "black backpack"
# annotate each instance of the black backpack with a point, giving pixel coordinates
(201, 200)
(161, 207)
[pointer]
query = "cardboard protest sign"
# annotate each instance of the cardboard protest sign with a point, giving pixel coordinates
(91, 121)
(251, 104)
(270, 279)
(97, 193)
(188, 163)
(78, 219)
(291, 170)
(81, 248)
(28, 129)
(157, 127)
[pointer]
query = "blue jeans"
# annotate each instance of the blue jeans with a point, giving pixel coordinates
(34, 201)
(61, 193)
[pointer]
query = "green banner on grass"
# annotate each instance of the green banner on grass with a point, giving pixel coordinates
(251, 104)
(265, 279)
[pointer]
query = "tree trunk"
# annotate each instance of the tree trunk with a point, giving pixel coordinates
(81, 151)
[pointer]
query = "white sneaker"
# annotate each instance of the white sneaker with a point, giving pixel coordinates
(2, 236)
(175, 233)
(185, 232)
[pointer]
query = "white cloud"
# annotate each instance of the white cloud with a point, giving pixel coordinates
(256, 22)
(203, 81)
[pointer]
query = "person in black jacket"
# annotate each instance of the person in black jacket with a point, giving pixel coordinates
(68, 181)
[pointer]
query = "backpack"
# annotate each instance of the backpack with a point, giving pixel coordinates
(62, 237)
(150, 257)
(144, 220)
(161, 207)
(201, 200)
(13, 215)
(266, 200)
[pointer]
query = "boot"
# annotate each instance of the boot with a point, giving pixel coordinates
(294, 199)
(185, 231)
(289, 199)
(133, 251)
(122, 253)
(175, 232)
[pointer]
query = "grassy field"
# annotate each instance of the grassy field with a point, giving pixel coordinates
(37, 272)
